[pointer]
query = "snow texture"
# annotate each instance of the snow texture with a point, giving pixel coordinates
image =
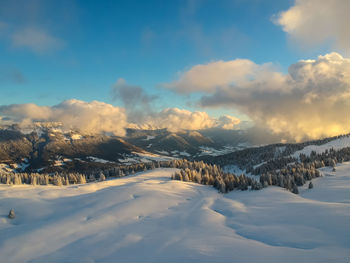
(336, 144)
(149, 218)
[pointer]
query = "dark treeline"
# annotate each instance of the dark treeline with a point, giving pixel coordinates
(295, 174)
(248, 158)
(286, 172)
(327, 158)
(200, 172)
(66, 178)
(207, 174)
(290, 177)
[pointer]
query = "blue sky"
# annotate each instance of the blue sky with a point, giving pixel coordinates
(88, 45)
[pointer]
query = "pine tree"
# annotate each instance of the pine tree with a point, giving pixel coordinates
(311, 185)
(295, 189)
(12, 214)
(185, 178)
(58, 180)
(102, 177)
(82, 179)
(92, 178)
(67, 180)
(33, 179)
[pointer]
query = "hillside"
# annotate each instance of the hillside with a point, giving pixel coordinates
(150, 218)
(51, 149)
(251, 157)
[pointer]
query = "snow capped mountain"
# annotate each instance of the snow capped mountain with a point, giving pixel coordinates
(46, 148)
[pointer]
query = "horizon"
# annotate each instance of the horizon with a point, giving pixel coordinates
(179, 65)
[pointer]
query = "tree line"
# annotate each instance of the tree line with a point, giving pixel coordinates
(284, 172)
(207, 174)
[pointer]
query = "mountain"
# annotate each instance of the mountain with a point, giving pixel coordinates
(50, 148)
(252, 157)
(184, 143)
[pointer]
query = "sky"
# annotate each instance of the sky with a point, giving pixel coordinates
(226, 61)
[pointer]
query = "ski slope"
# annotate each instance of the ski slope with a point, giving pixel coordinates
(149, 218)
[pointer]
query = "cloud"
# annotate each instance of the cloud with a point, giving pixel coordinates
(130, 94)
(12, 75)
(175, 119)
(207, 77)
(135, 100)
(35, 39)
(141, 113)
(312, 100)
(89, 117)
(228, 122)
(99, 117)
(313, 22)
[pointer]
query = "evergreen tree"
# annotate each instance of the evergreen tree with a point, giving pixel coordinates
(102, 177)
(295, 189)
(12, 214)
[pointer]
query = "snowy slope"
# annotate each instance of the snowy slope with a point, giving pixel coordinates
(149, 218)
(336, 144)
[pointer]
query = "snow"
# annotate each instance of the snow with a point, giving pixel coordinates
(153, 157)
(163, 152)
(23, 165)
(177, 153)
(59, 162)
(336, 144)
(14, 166)
(5, 168)
(149, 137)
(184, 153)
(76, 137)
(205, 150)
(144, 157)
(150, 218)
(97, 160)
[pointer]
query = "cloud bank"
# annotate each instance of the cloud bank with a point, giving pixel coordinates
(312, 100)
(312, 22)
(89, 117)
(206, 78)
(99, 117)
(175, 119)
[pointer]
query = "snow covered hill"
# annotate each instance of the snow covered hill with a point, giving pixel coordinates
(336, 144)
(149, 218)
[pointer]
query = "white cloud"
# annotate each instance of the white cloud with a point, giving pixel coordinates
(89, 117)
(99, 117)
(228, 122)
(312, 100)
(35, 39)
(206, 78)
(313, 22)
(175, 119)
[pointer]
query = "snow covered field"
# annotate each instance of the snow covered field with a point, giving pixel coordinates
(149, 218)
